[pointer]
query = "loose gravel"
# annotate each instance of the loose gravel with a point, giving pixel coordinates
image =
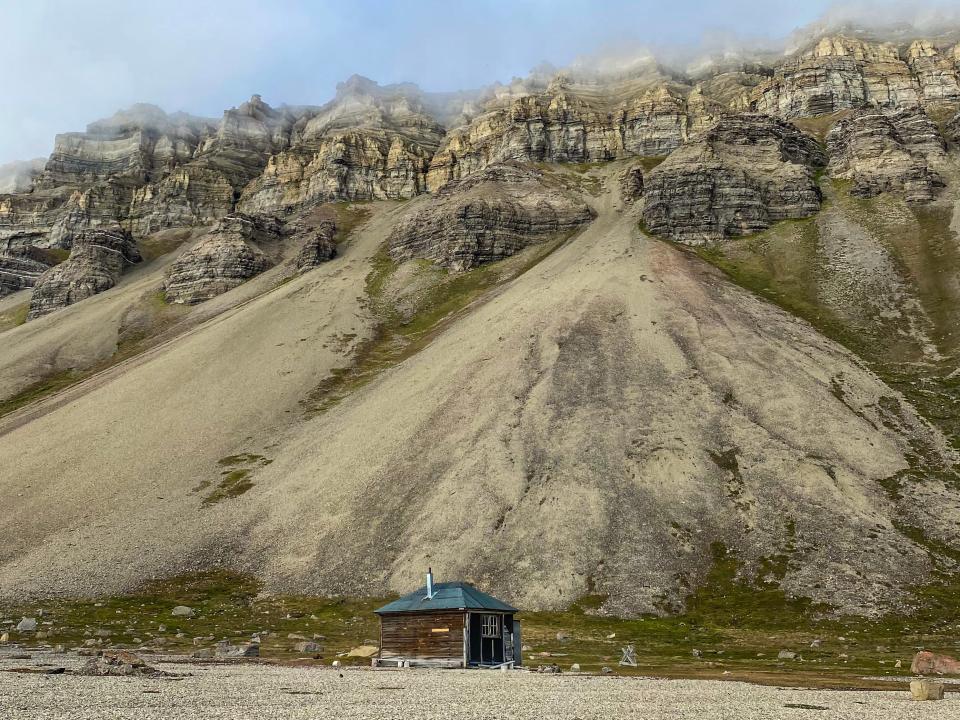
(238, 692)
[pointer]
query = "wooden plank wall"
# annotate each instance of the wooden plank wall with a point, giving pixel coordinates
(413, 635)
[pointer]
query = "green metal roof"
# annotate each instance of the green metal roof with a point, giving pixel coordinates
(446, 596)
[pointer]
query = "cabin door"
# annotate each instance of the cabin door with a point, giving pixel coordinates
(486, 639)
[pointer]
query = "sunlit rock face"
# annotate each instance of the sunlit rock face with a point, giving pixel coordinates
(888, 152)
(842, 73)
(369, 143)
(572, 123)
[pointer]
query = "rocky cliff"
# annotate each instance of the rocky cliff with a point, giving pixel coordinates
(738, 177)
(486, 217)
(96, 261)
(229, 255)
(571, 123)
(841, 73)
(894, 151)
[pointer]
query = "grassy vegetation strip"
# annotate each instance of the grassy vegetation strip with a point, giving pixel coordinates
(731, 629)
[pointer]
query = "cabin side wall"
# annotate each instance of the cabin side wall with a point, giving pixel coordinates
(423, 636)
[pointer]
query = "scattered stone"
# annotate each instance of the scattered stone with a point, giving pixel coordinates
(308, 647)
(926, 690)
(525, 648)
(5, 638)
(117, 662)
(101, 633)
(203, 653)
(898, 663)
(296, 636)
(696, 653)
(202, 640)
(182, 611)
(364, 651)
(562, 636)
(815, 643)
(606, 670)
(27, 625)
(575, 667)
(551, 669)
(227, 650)
(786, 655)
(611, 636)
(929, 663)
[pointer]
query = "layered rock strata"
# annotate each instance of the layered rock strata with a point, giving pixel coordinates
(842, 73)
(317, 245)
(486, 217)
(888, 152)
(740, 176)
(369, 143)
(18, 272)
(226, 257)
(96, 261)
(568, 123)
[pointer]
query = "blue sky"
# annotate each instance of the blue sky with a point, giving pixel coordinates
(68, 63)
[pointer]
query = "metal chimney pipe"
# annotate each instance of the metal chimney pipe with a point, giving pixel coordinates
(429, 583)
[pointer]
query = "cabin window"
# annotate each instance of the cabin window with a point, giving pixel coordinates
(491, 626)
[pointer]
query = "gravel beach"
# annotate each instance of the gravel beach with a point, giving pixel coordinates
(238, 692)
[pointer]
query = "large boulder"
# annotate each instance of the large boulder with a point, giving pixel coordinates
(487, 217)
(888, 152)
(738, 177)
(226, 257)
(930, 663)
(96, 261)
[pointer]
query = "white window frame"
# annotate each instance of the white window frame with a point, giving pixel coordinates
(490, 626)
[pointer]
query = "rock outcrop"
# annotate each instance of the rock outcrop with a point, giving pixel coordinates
(936, 72)
(368, 143)
(884, 152)
(96, 261)
(570, 123)
(952, 129)
(487, 217)
(226, 257)
(842, 73)
(19, 269)
(317, 245)
(739, 177)
(631, 184)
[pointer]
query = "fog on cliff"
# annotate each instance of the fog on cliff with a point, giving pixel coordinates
(67, 63)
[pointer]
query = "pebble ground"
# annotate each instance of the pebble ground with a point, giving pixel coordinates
(241, 692)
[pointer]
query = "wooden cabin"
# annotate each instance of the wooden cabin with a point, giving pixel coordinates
(449, 625)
